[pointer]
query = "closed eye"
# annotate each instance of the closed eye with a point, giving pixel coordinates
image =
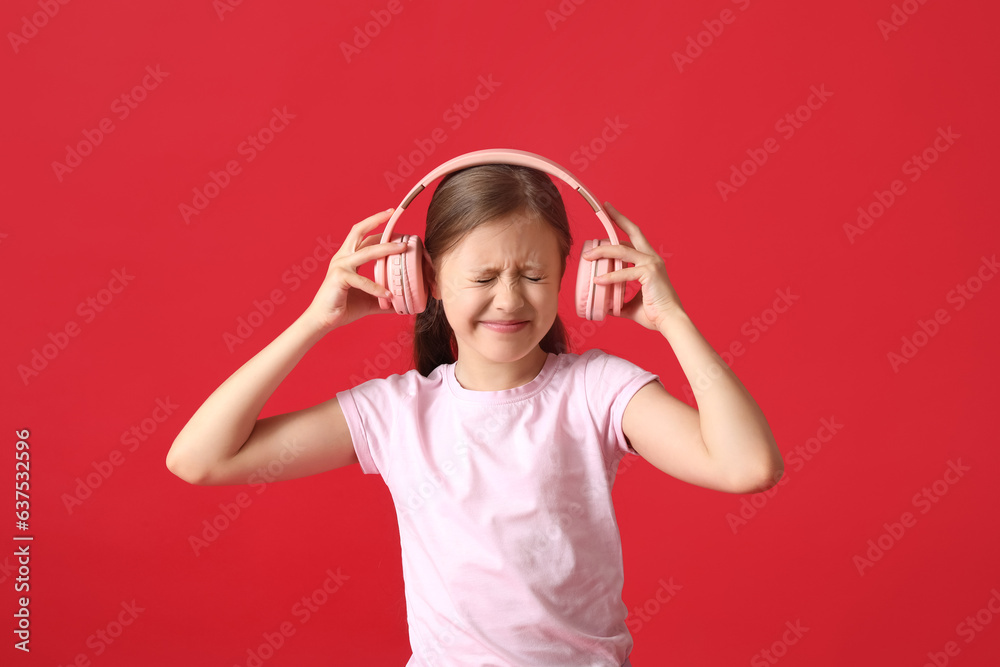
(534, 280)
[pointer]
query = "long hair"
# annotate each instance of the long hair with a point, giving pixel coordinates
(462, 201)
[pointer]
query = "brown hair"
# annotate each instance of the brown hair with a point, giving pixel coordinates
(462, 201)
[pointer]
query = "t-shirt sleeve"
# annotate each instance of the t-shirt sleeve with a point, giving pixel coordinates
(611, 383)
(370, 411)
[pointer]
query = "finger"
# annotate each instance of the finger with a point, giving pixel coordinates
(371, 222)
(609, 244)
(381, 215)
(369, 241)
(365, 284)
(374, 251)
(627, 225)
(361, 228)
(615, 212)
(620, 251)
(620, 276)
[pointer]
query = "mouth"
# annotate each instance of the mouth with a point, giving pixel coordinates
(506, 326)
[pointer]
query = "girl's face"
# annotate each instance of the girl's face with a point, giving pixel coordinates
(505, 271)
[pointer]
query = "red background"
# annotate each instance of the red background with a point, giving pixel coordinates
(557, 83)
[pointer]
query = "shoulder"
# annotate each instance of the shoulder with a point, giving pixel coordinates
(608, 382)
(581, 361)
(598, 364)
(409, 383)
(609, 379)
(601, 375)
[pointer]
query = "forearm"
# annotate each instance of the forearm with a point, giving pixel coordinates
(733, 427)
(223, 423)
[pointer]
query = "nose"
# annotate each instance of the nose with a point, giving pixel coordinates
(507, 296)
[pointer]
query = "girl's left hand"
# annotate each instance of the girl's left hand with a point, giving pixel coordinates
(657, 299)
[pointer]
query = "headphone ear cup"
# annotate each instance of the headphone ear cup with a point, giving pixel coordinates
(404, 272)
(584, 294)
(381, 264)
(594, 301)
(602, 293)
(590, 297)
(415, 287)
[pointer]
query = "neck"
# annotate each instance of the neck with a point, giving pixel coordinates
(485, 375)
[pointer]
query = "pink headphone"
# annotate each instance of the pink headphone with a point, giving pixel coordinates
(405, 270)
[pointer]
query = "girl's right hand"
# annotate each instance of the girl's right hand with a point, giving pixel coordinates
(336, 303)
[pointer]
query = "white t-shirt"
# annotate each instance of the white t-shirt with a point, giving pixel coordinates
(510, 547)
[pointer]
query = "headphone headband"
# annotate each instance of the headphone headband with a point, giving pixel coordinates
(502, 156)
(404, 274)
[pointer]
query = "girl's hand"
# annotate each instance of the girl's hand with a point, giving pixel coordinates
(657, 300)
(336, 304)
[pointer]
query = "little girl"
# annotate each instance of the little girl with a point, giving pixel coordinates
(501, 447)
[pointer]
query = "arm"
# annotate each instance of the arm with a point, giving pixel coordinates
(224, 442)
(726, 444)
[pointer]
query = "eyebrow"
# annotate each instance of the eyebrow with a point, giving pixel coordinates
(527, 265)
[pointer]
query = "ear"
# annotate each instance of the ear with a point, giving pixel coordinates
(430, 279)
(431, 283)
